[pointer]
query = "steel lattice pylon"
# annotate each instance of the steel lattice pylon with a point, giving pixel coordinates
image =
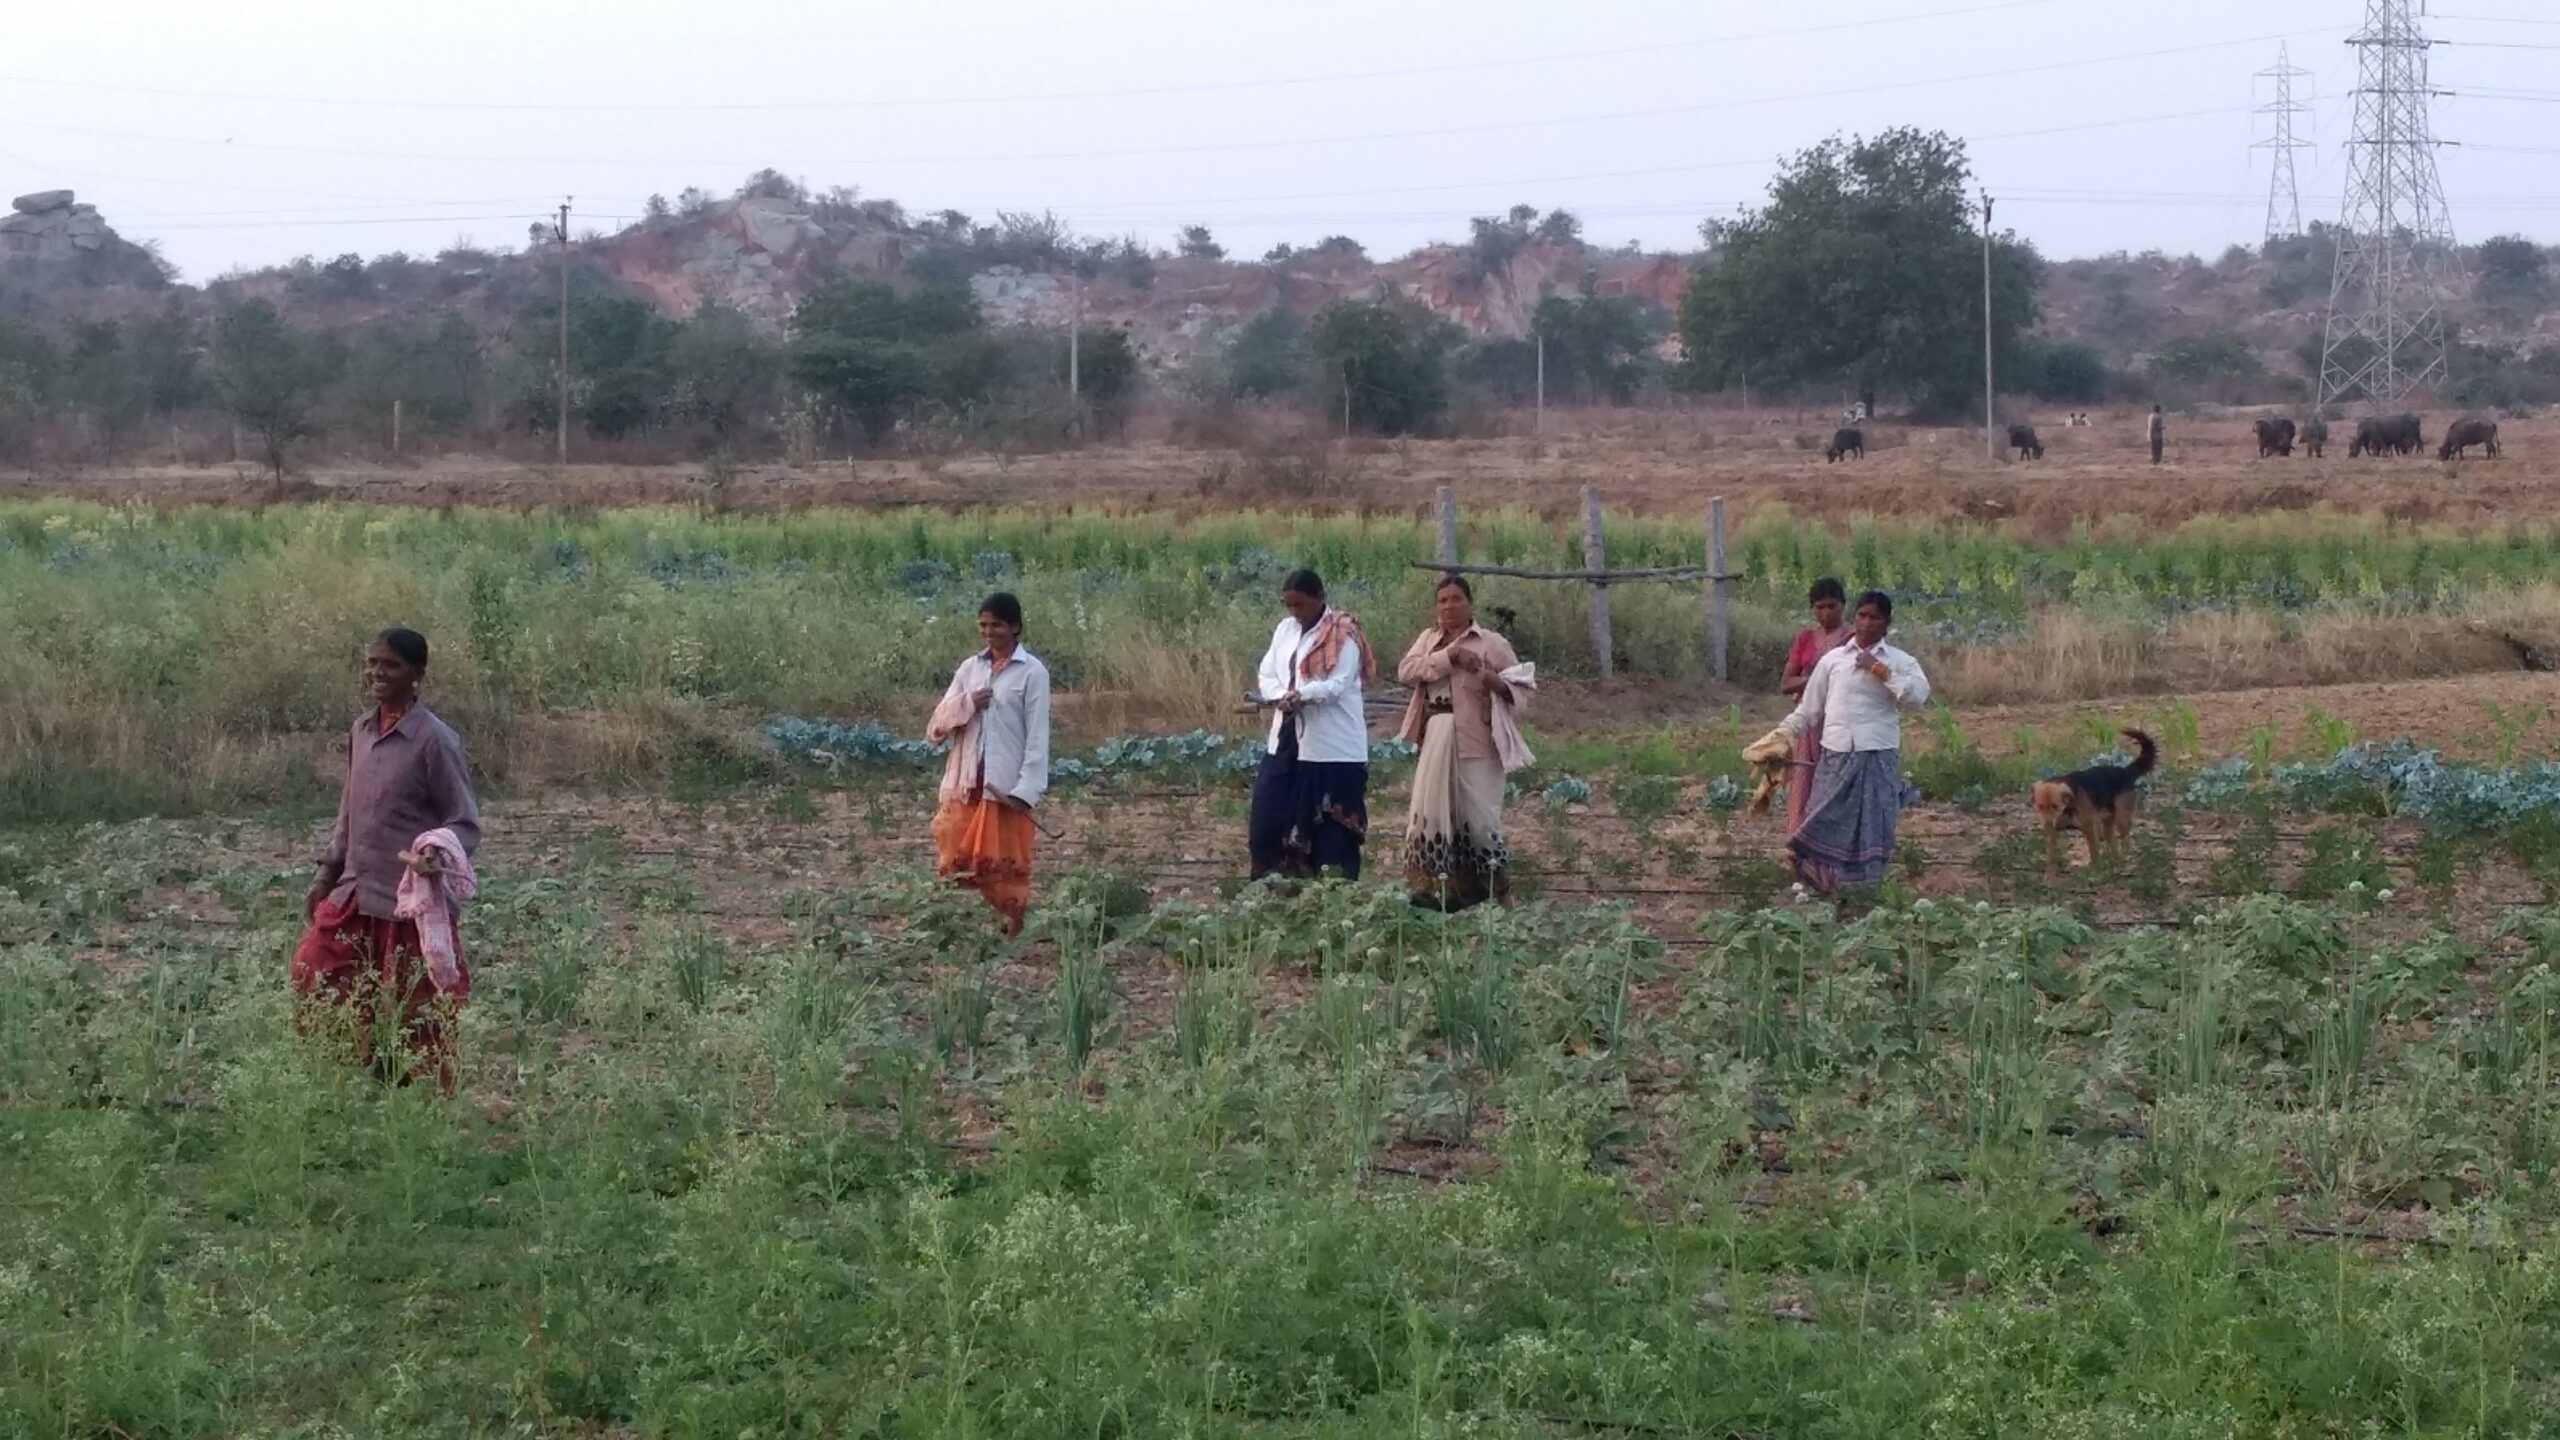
(2284, 195)
(2385, 333)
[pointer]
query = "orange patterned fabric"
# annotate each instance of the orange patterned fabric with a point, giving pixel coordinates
(986, 846)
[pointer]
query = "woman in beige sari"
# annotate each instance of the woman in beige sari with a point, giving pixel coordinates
(1468, 686)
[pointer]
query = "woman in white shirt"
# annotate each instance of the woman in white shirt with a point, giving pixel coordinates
(1853, 701)
(996, 714)
(1311, 797)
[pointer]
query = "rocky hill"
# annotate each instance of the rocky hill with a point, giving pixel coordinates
(2223, 327)
(51, 242)
(761, 254)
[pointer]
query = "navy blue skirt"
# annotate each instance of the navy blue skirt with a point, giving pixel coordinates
(1307, 815)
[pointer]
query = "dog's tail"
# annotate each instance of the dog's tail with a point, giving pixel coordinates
(2146, 753)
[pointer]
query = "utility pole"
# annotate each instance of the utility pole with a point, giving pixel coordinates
(1990, 392)
(2385, 334)
(1075, 344)
(563, 416)
(1542, 383)
(2284, 194)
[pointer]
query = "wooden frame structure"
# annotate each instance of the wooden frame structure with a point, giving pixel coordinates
(1595, 572)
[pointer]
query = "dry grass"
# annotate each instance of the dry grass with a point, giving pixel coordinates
(1653, 462)
(2072, 655)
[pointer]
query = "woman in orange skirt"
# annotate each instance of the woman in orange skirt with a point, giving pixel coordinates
(996, 716)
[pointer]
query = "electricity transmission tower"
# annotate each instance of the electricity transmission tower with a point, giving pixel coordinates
(2284, 194)
(2385, 333)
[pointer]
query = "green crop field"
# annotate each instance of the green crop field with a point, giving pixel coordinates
(2254, 1131)
(1250, 1166)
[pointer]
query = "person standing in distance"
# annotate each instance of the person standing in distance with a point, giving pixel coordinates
(996, 714)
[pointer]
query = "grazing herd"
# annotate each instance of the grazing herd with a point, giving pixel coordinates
(2277, 435)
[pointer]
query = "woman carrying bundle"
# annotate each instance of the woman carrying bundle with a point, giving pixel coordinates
(1468, 686)
(996, 713)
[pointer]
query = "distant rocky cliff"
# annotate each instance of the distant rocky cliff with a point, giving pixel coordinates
(50, 235)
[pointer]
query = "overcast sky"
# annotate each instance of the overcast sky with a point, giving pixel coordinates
(252, 131)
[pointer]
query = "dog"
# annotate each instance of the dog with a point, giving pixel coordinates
(2098, 802)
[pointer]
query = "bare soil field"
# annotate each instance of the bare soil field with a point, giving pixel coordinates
(2087, 475)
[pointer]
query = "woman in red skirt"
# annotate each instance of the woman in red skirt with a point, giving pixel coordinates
(362, 967)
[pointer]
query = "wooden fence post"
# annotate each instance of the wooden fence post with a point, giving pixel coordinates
(395, 427)
(1716, 631)
(1447, 553)
(1595, 559)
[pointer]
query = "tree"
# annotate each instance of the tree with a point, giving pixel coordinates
(168, 352)
(1863, 271)
(1341, 245)
(870, 352)
(1268, 354)
(27, 366)
(2511, 268)
(772, 184)
(2064, 370)
(656, 210)
(1106, 373)
(1561, 227)
(2207, 357)
(1598, 347)
(727, 371)
(102, 379)
(431, 367)
(268, 375)
(1198, 244)
(1393, 362)
(620, 382)
(1492, 241)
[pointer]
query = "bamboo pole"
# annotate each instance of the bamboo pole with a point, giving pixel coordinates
(1717, 620)
(1595, 558)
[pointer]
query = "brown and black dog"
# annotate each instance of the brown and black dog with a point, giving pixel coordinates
(2098, 802)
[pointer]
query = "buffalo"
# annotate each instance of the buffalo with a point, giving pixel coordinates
(2275, 437)
(2022, 438)
(2315, 435)
(2399, 434)
(2461, 435)
(1847, 443)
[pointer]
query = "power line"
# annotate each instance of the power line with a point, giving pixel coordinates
(1292, 142)
(1196, 207)
(1205, 87)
